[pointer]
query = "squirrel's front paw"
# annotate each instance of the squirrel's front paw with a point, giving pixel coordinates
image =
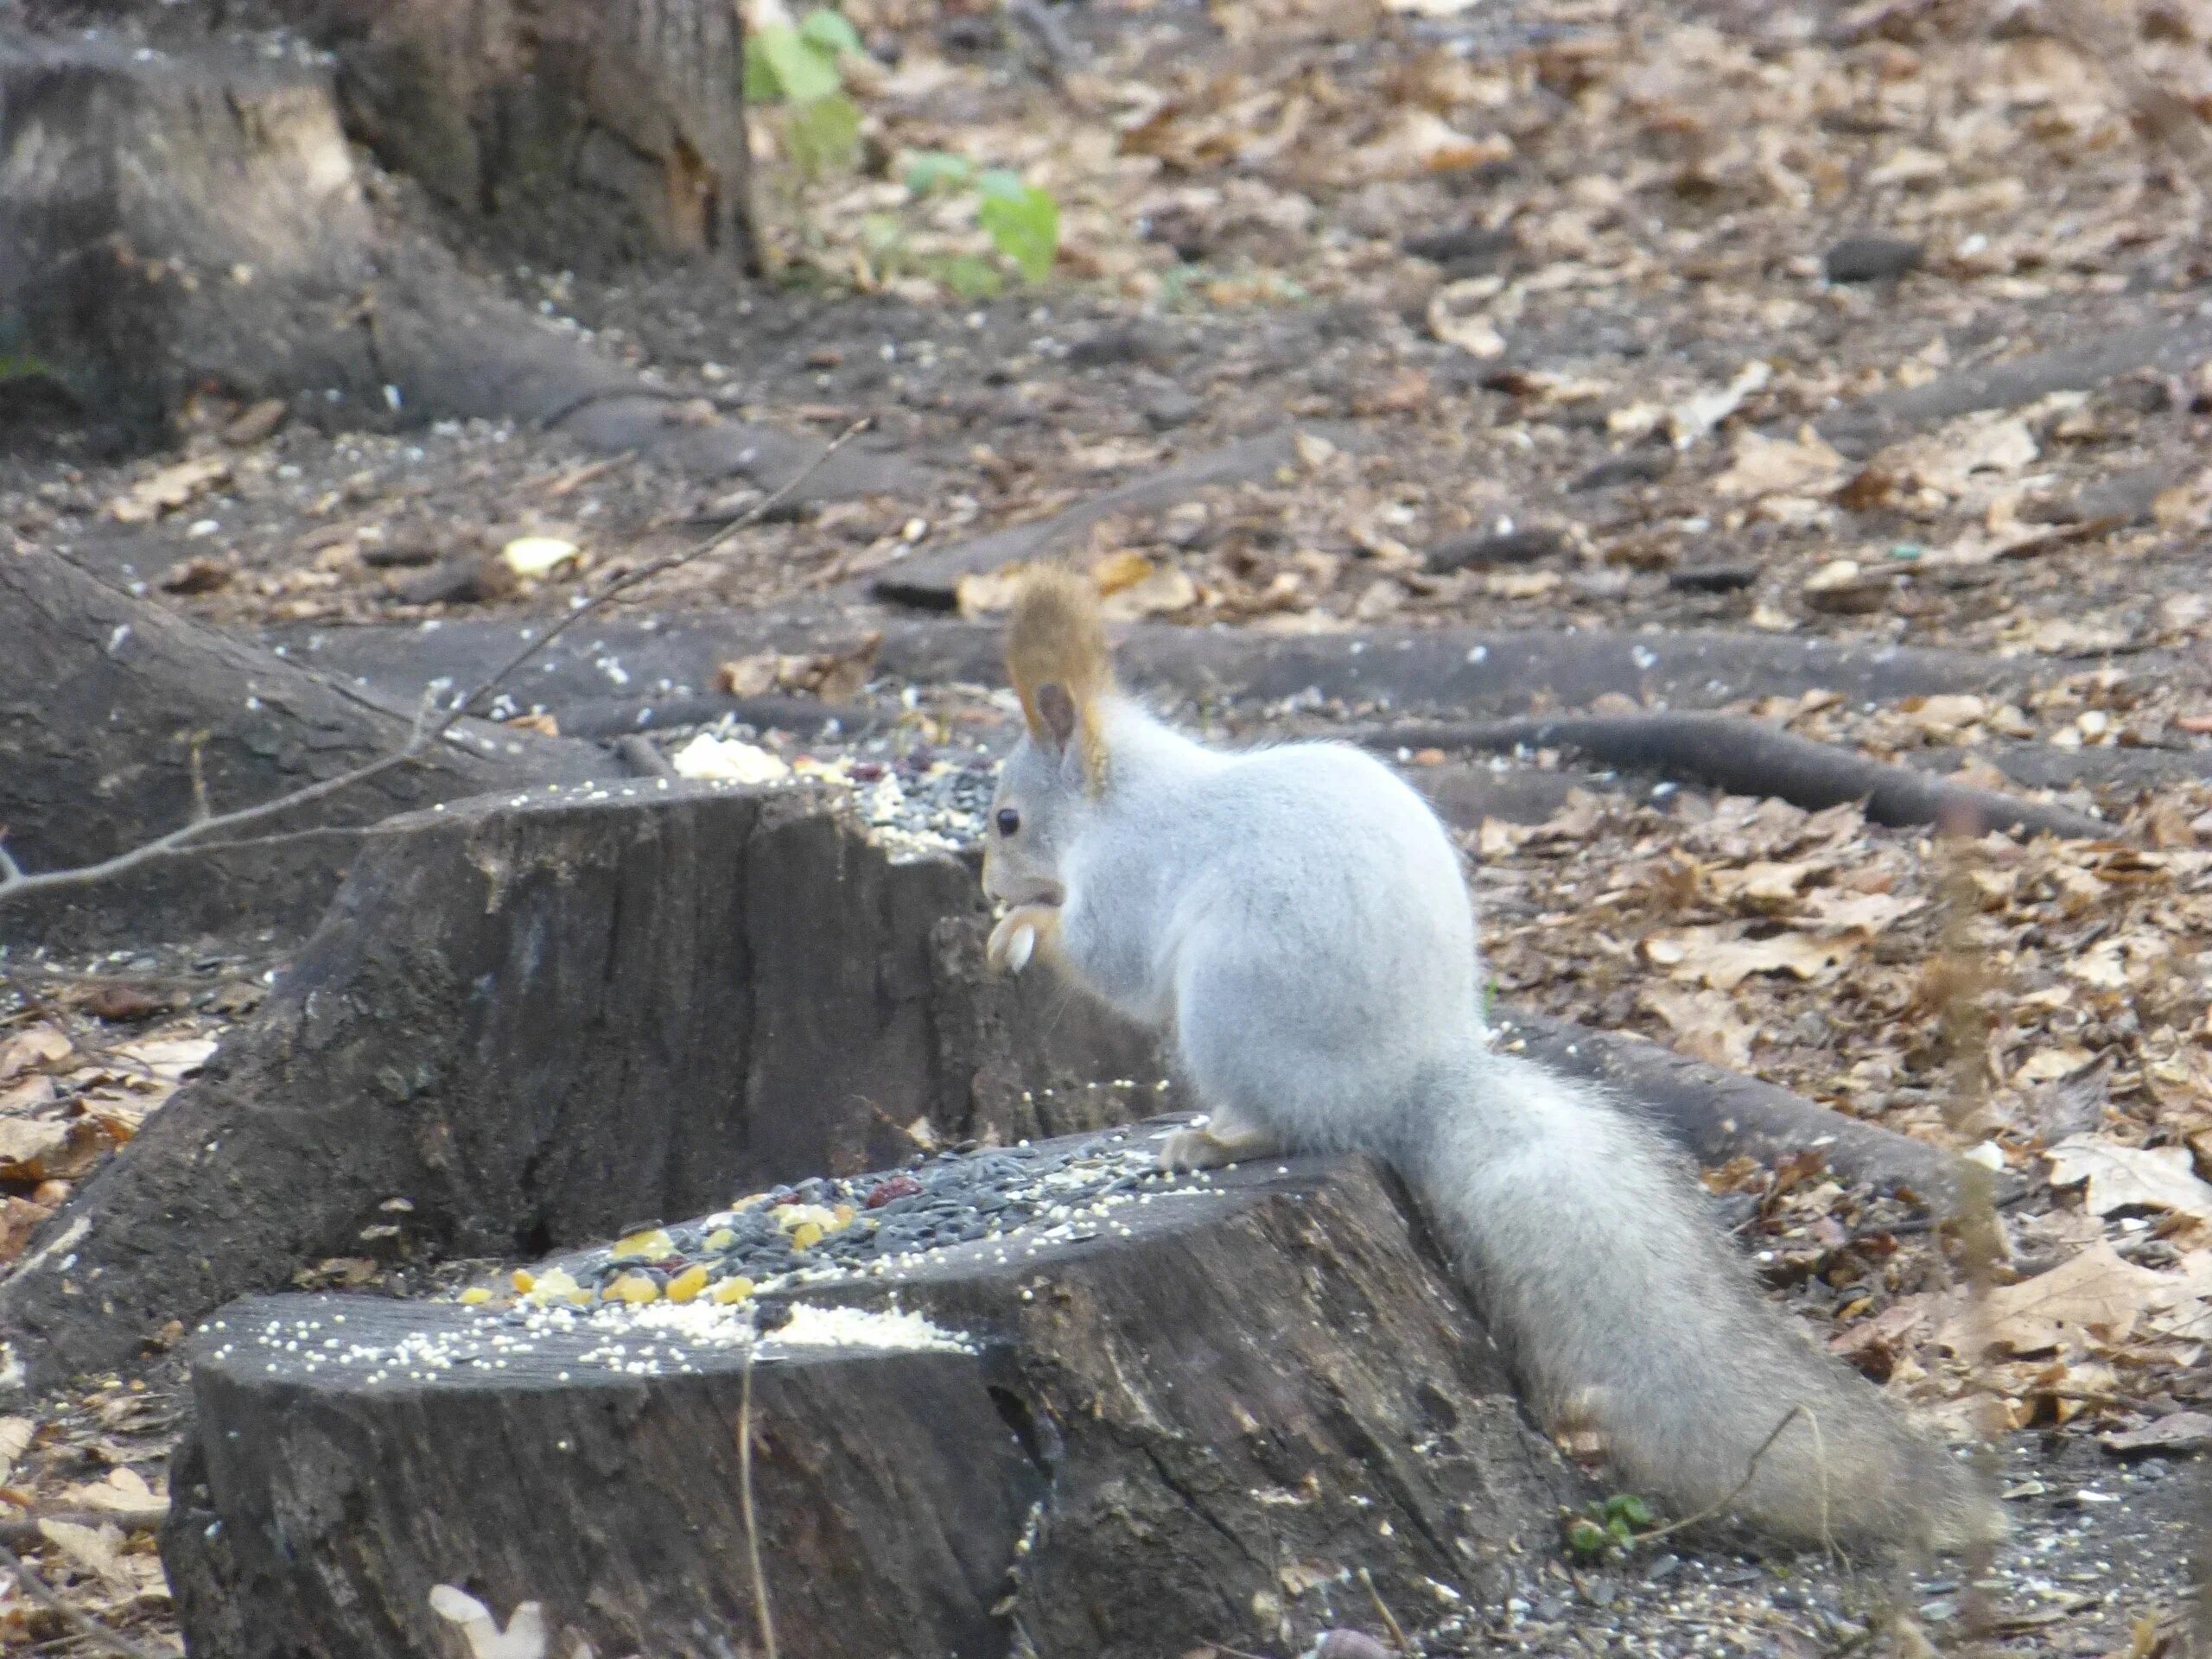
(1213, 1146)
(1019, 934)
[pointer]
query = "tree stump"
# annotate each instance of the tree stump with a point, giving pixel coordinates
(535, 1018)
(171, 221)
(1192, 1418)
(608, 128)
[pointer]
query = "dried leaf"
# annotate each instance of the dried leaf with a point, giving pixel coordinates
(1705, 1024)
(168, 1058)
(989, 592)
(15, 1439)
(525, 1636)
(1835, 910)
(1455, 317)
(96, 1549)
(1805, 464)
(2179, 1433)
(124, 1490)
(535, 557)
(29, 1145)
(170, 488)
(1713, 957)
(1165, 591)
(35, 1047)
(1694, 417)
(2131, 1178)
(2096, 1296)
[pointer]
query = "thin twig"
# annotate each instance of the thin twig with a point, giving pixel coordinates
(744, 1505)
(15, 883)
(1382, 1610)
(1750, 1473)
(45, 1594)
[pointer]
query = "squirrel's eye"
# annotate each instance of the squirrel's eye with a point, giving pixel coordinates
(1009, 821)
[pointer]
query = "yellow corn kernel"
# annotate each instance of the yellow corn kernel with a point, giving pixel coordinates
(687, 1284)
(475, 1296)
(649, 1246)
(555, 1287)
(731, 1290)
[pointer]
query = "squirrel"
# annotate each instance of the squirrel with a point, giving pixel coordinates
(1296, 918)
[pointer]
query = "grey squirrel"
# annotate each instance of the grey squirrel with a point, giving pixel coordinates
(1296, 918)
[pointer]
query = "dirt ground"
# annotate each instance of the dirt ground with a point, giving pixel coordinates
(1554, 277)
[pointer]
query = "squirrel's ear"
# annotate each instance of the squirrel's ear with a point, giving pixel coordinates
(1056, 714)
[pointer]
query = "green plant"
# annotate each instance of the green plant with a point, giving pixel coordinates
(800, 65)
(1609, 1528)
(1022, 220)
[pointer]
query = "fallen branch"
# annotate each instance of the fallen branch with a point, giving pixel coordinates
(1445, 673)
(1719, 1115)
(2168, 344)
(15, 883)
(1747, 757)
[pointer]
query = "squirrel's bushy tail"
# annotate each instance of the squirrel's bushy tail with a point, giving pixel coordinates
(1622, 1310)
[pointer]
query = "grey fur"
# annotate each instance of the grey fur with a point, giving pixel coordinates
(1297, 917)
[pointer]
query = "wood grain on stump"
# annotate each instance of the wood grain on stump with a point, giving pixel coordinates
(605, 128)
(1195, 1419)
(536, 1017)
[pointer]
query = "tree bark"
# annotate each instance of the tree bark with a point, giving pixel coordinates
(105, 701)
(609, 128)
(171, 221)
(536, 1020)
(1201, 1429)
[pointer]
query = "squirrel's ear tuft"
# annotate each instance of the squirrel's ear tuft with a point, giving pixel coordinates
(1057, 657)
(1057, 709)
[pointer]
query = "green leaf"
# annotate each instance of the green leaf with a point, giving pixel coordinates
(1626, 1506)
(1024, 222)
(968, 276)
(790, 66)
(1587, 1538)
(830, 31)
(823, 135)
(938, 169)
(1618, 1528)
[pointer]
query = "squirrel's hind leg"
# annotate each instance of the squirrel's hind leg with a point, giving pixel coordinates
(1223, 1139)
